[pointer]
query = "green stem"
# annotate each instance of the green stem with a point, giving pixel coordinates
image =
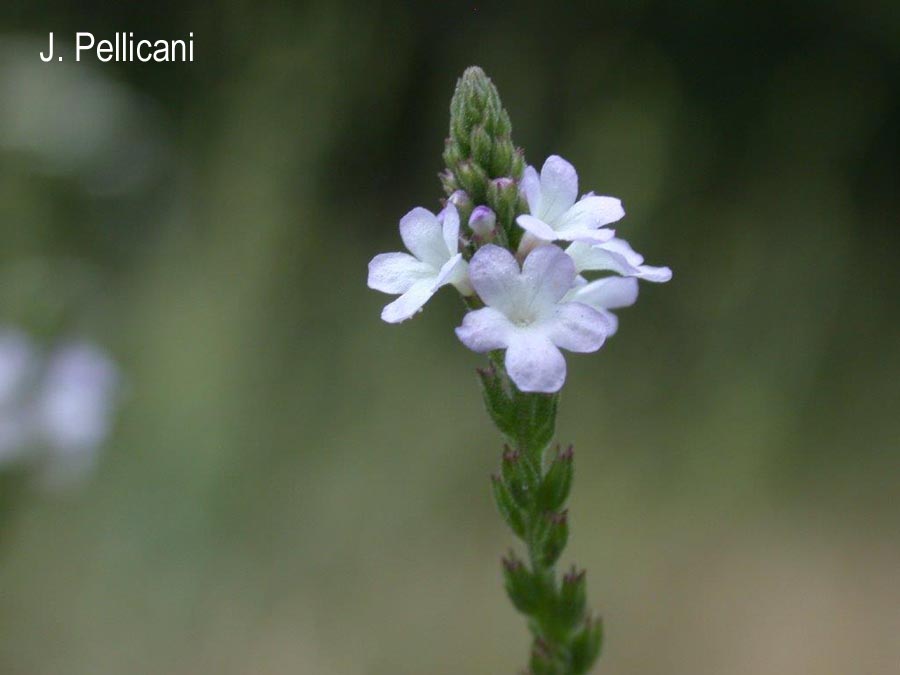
(531, 490)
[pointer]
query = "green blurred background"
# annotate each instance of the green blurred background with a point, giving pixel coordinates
(295, 487)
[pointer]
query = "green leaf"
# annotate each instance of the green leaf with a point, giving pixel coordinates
(572, 598)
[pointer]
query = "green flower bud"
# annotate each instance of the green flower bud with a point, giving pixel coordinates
(544, 661)
(586, 646)
(507, 506)
(557, 483)
(472, 178)
(554, 535)
(523, 588)
(520, 476)
(572, 597)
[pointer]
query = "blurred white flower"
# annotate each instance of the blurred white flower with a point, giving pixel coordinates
(56, 409)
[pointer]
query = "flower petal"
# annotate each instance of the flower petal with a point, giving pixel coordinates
(559, 188)
(74, 407)
(608, 293)
(530, 188)
(534, 363)
(612, 322)
(485, 329)
(396, 272)
(578, 328)
(450, 227)
(494, 274)
(617, 256)
(590, 213)
(547, 275)
(424, 237)
(592, 237)
(410, 302)
(658, 275)
(537, 227)
(455, 271)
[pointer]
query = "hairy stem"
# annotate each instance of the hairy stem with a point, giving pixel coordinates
(531, 490)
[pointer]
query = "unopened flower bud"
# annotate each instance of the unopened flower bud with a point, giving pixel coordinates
(463, 203)
(586, 645)
(483, 222)
(557, 483)
(503, 198)
(556, 534)
(507, 506)
(572, 597)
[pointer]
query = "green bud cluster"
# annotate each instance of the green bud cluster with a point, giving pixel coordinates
(531, 490)
(479, 153)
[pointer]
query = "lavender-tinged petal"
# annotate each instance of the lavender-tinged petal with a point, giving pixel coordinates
(485, 329)
(410, 302)
(530, 188)
(623, 248)
(547, 275)
(75, 404)
(455, 271)
(612, 322)
(450, 227)
(424, 237)
(537, 227)
(397, 272)
(534, 363)
(592, 237)
(494, 274)
(591, 213)
(559, 188)
(578, 328)
(608, 293)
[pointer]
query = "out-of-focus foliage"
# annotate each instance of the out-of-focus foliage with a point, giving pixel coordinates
(296, 487)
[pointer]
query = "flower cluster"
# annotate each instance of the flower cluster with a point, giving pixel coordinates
(532, 299)
(55, 407)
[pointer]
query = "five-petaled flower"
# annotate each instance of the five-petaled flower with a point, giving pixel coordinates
(554, 214)
(433, 242)
(527, 315)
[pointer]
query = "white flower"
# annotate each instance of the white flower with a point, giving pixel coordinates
(604, 295)
(435, 262)
(56, 410)
(553, 212)
(616, 256)
(527, 316)
(73, 409)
